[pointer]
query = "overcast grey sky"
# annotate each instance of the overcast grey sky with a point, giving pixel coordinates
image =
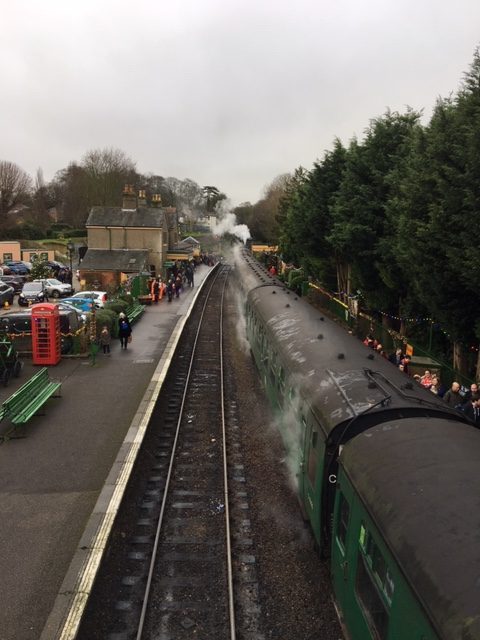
(229, 93)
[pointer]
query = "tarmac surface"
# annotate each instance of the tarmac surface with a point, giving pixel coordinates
(51, 479)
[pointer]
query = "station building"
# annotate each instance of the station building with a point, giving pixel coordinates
(127, 240)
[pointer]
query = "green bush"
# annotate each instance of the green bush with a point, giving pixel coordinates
(127, 297)
(106, 317)
(117, 305)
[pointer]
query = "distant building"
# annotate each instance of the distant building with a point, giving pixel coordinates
(10, 250)
(128, 240)
(208, 221)
(30, 255)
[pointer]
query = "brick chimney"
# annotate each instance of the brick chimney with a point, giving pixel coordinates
(129, 197)
(142, 198)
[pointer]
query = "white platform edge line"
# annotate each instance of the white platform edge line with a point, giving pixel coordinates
(78, 596)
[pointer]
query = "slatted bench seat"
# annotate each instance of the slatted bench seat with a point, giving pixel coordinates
(30, 397)
(134, 312)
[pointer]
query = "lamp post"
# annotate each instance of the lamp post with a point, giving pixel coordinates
(70, 249)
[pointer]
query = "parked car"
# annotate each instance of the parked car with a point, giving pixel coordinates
(6, 294)
(16, 282)
(83, 304)
(55, 288)
(17, 267)
(5, 271)
(64, 306)
(32, 293)
(99, 297)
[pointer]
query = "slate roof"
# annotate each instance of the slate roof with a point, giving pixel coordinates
(143, 217)
(124, 260)
(188, 241)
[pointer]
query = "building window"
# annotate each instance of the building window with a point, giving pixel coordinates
(7, 256)
(44, 256)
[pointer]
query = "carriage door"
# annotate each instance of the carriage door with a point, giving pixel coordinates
(309, 468)
(341, 561)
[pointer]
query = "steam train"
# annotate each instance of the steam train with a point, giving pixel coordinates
(388, 476)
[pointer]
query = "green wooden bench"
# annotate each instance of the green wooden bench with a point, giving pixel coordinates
(29, 398)
(134, 311)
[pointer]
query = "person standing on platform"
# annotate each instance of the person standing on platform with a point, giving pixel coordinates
(189, 274)
(453, 396)
(155, 290)
(105, 339)
(124, 330)
(162, 288)
(178, 285)
(471, 409)
(170, 289)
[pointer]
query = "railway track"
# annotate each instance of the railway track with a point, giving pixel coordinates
(181, 560)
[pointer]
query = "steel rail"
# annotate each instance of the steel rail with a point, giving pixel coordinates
(231, 606)
(147, 591)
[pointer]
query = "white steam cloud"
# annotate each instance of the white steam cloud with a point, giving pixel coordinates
(228, 224)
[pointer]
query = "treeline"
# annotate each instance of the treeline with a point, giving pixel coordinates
(27, 205)
(394, 218)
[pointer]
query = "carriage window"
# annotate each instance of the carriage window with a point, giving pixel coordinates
(377, 563)
(312, 454)
(372, 604)
(343, 517)
(374, 584)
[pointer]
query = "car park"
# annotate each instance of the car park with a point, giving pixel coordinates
(32, 293)
(82, 304)
(16, 282)
(55, 288)
(6, 294)
(99, 297)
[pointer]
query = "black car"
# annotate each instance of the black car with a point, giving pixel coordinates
(6, 294)
(32, 293)
(16, 282)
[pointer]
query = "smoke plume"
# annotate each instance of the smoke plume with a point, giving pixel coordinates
(228, 224)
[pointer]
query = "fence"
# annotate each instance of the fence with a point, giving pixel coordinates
(361, 323)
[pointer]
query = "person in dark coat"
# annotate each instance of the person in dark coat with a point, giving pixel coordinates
(453, 396)
(170, 289)
(472, 392)
(124, 330)
(472, 410)
(189, 274)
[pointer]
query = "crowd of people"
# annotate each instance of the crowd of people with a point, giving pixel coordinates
(178, 277)
(457, 396)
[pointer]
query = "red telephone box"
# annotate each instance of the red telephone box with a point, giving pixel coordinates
(46, 334)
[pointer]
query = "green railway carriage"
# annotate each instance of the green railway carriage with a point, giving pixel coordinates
(406, 540)
(369, 450)
(326, 387)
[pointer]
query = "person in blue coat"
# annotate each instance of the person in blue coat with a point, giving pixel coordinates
(124, 330)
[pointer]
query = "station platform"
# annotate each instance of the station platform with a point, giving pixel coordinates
(60, 485)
